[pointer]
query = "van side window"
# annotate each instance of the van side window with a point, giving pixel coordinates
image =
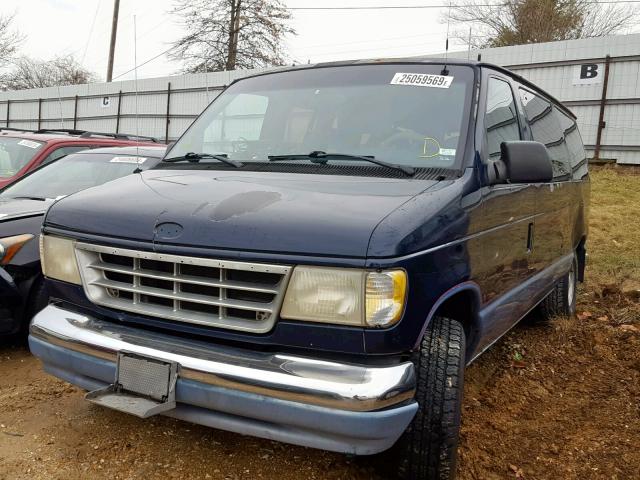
(546, 127)
(501, 119)
(577, 155)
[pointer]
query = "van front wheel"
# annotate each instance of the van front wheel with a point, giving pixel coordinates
(428, 449)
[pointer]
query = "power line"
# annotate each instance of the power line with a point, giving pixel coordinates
(376, 40)
(380, 7)
(93, 24)
(145, 62)
(423, 7)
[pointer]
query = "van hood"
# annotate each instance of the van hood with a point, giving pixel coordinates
(14, 208)
(268, 212)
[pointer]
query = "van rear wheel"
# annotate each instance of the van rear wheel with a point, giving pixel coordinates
(562, 299)
(428, 448)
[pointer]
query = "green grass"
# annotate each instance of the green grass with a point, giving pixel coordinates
(613, 245)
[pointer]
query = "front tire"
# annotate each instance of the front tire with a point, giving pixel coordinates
(428, 448)
(37, 300)
(562, 299)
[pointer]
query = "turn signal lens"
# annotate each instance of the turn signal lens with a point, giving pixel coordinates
(9, 246)
(385, 294)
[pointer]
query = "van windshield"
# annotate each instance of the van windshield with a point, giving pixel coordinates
(15, 153)
(75, 172)
(407, 114)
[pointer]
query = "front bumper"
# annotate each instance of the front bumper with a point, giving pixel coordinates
(322, 404)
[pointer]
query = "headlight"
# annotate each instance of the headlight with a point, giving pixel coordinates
(9, 246)
(58, 259)
(345, 296)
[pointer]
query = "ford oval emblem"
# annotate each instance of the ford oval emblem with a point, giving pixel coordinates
(168, 230)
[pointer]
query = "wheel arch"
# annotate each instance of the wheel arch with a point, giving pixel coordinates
(461, 302)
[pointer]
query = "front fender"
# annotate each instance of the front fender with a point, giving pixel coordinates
(465, 299)
(9, 292)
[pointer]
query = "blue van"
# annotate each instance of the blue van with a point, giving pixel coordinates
(321, 254)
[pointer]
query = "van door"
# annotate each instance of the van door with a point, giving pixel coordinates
(508, 208)
(553, 200)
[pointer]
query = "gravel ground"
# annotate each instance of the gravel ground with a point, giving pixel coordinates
(557, 400)
(550, 401)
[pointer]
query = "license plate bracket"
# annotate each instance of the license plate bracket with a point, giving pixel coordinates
(144, 386)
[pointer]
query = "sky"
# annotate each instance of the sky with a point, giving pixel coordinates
(83, 27)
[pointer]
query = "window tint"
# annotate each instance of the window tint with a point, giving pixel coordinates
(61, 152)
(577, 155)
(547, 127)
(501, 119)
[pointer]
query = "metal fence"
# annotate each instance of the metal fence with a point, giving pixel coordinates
(159, 107)
(597, 78)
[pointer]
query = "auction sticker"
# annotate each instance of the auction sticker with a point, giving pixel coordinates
(29, 143)
(422, 80)
(133, 160)
(448, 152)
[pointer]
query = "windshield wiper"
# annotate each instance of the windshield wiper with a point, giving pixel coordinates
(196, 157)
(41, 199)
(323, 157)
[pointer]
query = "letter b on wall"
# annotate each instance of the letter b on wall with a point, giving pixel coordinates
(587, 74)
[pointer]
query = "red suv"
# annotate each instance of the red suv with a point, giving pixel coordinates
(23, 150)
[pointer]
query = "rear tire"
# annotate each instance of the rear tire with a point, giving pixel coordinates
(562, 299)
(428, 448)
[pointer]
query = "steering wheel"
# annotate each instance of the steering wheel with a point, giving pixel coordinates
(240, 145)
(405, 138)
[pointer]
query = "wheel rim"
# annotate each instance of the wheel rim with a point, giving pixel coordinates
(571, 288)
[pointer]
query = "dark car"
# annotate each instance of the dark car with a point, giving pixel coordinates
(22, 208)
(24, 150)
(320, 255)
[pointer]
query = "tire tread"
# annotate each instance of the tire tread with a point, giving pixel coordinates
(429, 446)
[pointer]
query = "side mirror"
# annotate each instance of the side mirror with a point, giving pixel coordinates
(526, 162)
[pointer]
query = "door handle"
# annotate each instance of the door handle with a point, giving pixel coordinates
(530, 238)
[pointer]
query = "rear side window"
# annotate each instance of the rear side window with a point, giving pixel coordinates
(577, 155)
(501, 119)
(546, 124)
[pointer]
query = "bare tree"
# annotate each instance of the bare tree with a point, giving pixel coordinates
(32, 73)
(517, 22)
(230, 34)
(10, 40)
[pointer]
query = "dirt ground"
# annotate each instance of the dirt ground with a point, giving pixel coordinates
(558, 400)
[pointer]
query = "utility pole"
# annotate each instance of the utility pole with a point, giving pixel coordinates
(112, 45)
(234, 28)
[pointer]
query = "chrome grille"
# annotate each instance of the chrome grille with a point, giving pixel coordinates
(217, 293)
